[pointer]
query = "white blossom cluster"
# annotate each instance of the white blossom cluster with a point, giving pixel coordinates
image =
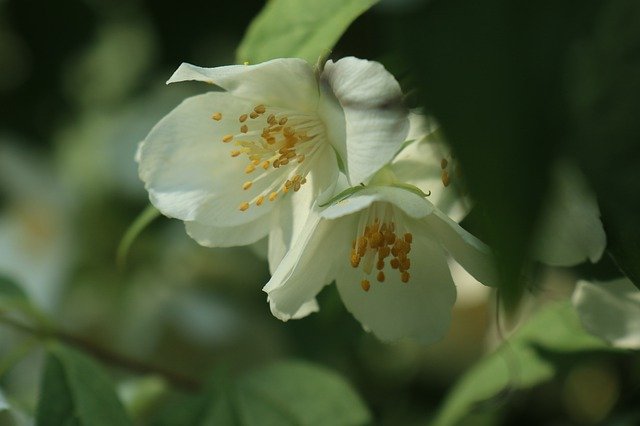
(346, 184)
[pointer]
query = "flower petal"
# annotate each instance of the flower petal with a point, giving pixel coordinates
(571, 230)
(308, 266)
(375, 118)
(290, 217)
(229, 236)
(287, 83)
(412, 204)
(610, 310)
(419, 309)
(471, 253)
(187, 169)
(420, 164)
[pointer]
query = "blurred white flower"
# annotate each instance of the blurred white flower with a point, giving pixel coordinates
(286, 128)
(36, 235)
(571, 231)
(386, 247)
(610, 310)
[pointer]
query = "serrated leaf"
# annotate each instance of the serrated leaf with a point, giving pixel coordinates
(298, 29)
(288, 393)
(76, 391)
(518, 364)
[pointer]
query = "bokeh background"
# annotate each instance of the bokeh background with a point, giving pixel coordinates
(81, 83)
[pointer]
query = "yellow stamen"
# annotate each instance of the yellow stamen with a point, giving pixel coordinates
(247, 185)
(244, 206)
(217, 116)
(227, 138)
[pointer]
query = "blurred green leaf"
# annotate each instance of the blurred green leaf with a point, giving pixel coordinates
(76, 391)
(492, 73)
(14, 298)
(517, 364)
(285, 393)
(142, 221)
(10, 290)
(298, 29)
(605, 102)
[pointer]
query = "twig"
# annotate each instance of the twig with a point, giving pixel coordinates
(134, 365)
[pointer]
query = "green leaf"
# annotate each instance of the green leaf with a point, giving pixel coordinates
(142, 221)
(76, 391)
(285, 393)
(518, 364)
(10, 290)
(14, 298)
(298, 29)
(492, 74)
(605, 100)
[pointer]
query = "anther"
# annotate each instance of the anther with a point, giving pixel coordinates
(405, 277)
(408, 237)
(380, 265)
(265, 165)
(273, 196)
(300, 158)
(247, 185)
(227, 138)
(283, 121)
(244, 206)
(255, 161)
(217, 116)
(445, 178)
(235, 153)
(365, 284)
(243, 118)
(260, 109)
(395, 263)
(443, 163)
(244, 128)
(271, 119)
(380, 276)
(260, 200)
(250, 168)
(254, 115)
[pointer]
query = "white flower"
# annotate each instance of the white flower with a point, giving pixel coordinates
(239, 163)
(386, 247)
(610, 310)
(571, 231)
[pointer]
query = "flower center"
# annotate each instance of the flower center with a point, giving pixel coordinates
(270, 139)
(379, 240)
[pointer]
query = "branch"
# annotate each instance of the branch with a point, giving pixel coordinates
(107, 356)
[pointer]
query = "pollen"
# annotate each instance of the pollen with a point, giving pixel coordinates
(377, 242)
(272, 140)
(446, 180)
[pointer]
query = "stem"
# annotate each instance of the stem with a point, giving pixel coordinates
(107, 356)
